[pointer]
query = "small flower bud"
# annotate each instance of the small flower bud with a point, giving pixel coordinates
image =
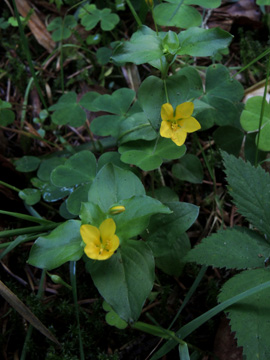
(58, 280)
(149, 3)
(117, 209)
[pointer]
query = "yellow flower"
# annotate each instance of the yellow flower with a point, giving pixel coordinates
(100, 242)
(176, 126)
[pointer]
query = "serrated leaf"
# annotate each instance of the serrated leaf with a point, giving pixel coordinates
(250, 189)
(236, 248)
(61, 245)
(249, 318)
(132, 267)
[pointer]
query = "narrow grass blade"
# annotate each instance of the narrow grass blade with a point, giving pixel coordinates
(194, 324)
(183, 352)
(26, 217)
(28, 230)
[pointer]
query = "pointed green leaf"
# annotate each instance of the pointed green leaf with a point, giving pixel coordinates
(132, 267)
(113, 184)
(61, 245)
(189, 168)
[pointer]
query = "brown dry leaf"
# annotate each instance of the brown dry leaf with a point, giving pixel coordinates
(37, 27)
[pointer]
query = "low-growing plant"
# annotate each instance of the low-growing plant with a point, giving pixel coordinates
(100, 209)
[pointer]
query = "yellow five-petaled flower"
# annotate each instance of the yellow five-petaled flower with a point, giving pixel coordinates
(176, 125)
(101, 242)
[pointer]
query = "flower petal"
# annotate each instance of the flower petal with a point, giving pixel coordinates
(114, 243)
(167, 112)
(179, 137)
(165, 129)
(184, 110)
(90, 234)
(92, 251)
(189, 125)
(107, 229)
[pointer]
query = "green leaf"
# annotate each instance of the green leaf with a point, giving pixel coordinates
(203, 42)
(164, 194)
(168, 14)
(132, 267)
(250, 189)
(103, 55)
(90, 16)
(189, 168)
(112, 157)
(30, 196)
(172, 262)
(147, 157)
(208, 4)
(118, 104)
(170, 227)
(250, 120)
(62, 27)
(79, 168)
(77, 197)
(182, 87)
(3, 24)
(112, 318)
(61, 245)
(27, 163)
(144, 46)
(92, 214)
(113, 184)
(88, 101)
(229, 139)
(136, 127)
(7, 116)
(68, 111)
(249, 317)
(263, 2)
(223, 94)
(135, 218)
(47, 166)
(237, 248)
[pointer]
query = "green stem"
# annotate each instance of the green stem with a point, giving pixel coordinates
(28, 55)
(28, 230)
(166, 91)
(9, 186)
(30, 328)
(136, 17)
(72, 269)
(262, 111)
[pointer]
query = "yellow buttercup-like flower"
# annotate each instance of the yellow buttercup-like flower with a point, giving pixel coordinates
(101, 242)
(176, 125)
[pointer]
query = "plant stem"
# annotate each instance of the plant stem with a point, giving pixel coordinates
(9, 186)
(262, 111)
(72, 269)
(135, 15)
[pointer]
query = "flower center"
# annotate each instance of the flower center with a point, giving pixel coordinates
(174, 126)
(104, 246)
